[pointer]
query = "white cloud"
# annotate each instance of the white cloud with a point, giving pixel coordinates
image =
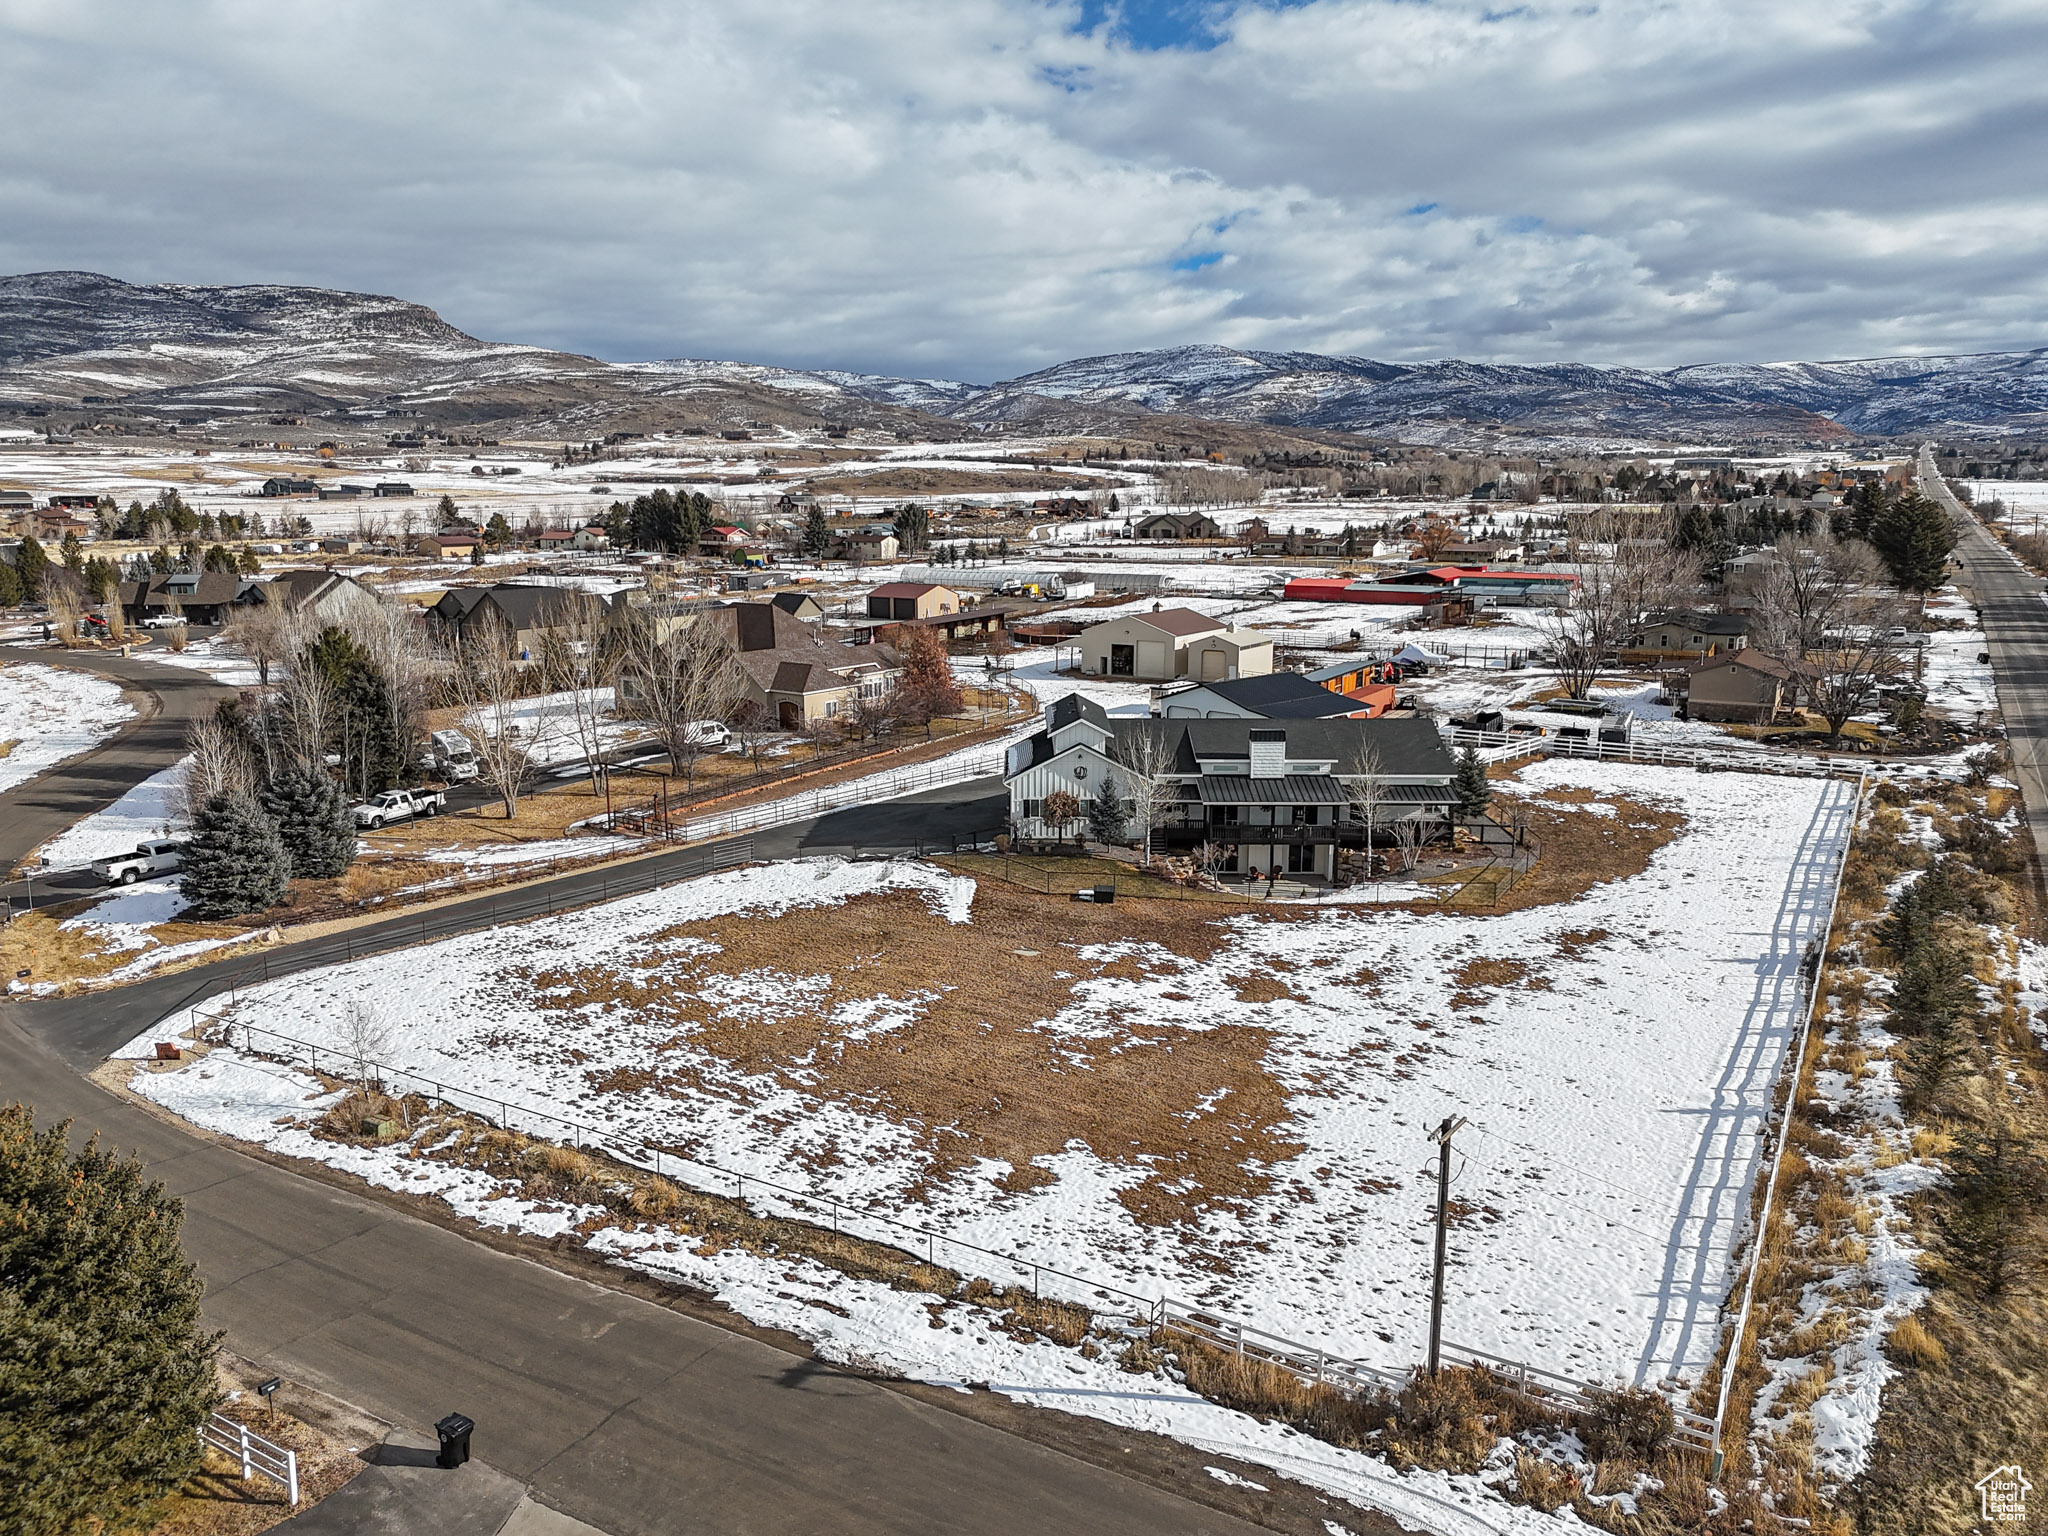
(973, 187)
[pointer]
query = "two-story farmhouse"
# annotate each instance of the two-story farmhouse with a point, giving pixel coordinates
(1273, 794)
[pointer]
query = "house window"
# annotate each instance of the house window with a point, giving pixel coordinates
(1301, 858)
(1304, 815)
(1223, 815)
(1033, 809)
(1123, 661)
(831, 708)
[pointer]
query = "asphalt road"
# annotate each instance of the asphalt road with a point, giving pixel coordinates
(2016, 629)
(167, 700)
(612, 1409)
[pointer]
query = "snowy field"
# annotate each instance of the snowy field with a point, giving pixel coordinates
(1615, 1055)
(48, 714)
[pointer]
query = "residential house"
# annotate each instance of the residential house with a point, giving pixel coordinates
(799, 605)
(338, 544)
(448, 545)
(1698, 634)
(1273, 794)
(1170, 643)
(911, 600)
(289, 485)
(592, 538)
(1062, 506)
(52, 524)
(798, 675)
(392, 488)
(1744, 685)
(555, 539)
(868, 544)
(203, 597)
(1273, 696)
(722, 541)
(524, 615)
(1176, 525)
(1480, 551)
(329, 597)
(343, 492)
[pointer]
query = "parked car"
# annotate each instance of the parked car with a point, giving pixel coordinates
(707, 733)
(398, 805)
(156, 856)
(453, 756)
(164, 621)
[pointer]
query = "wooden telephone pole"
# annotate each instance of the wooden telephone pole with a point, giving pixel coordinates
(1442, 1137)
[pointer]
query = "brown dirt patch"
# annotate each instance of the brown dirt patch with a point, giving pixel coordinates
(972, 1072)
(1582, 849)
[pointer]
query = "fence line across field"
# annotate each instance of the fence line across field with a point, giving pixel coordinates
(1308, 1363)
(1507, 746)
(233, 1438)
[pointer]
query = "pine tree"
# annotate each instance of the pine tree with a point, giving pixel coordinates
(1470, 791)
(1914, 537)
(29, 564)
(10, 586)
(105, 1373)
(234, 861)
(1106, 813)
(1991, 1214)
(816, 535)
(313, 823)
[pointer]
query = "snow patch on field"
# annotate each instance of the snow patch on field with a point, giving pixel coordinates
(51, 714)
(153, 808)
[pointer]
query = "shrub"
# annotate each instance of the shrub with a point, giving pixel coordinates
(1625, 1421)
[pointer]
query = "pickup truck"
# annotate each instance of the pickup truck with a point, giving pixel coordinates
(398, 805)
(157, 856)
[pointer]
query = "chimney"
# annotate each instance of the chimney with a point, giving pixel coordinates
(1269, 754)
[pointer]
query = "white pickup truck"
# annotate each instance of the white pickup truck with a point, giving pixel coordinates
(157, 856)
(398, 805)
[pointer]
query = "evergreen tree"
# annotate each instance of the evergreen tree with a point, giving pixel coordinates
(72, 552)
(234, 862)
(1994, 1191)
(1106, 812)
(447, 512)
(497, 532)
(313, 822)
(913, 525)
(10, 586)
(105, 1372)
(29, 564)
(1470, 791)
(1914, 537)
(817, 537)
(693, 516)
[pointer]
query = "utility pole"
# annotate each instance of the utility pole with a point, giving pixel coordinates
(1442, 1138)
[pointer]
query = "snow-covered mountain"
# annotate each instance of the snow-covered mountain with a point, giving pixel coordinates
(66, 337)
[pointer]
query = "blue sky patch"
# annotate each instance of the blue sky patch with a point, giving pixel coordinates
(1196, 262)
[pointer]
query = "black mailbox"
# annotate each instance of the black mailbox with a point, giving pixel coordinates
(454, 1432)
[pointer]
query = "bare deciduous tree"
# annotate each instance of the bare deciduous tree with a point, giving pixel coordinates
(1858, 653)
(1147, 762)
(581, 666)
(488, 683)
(263, 632)
(1365, 791)
(218, 764)
(691, 678)
(1807, 589)
(1626, 567)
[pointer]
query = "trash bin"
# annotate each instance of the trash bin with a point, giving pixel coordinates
(454, 1432)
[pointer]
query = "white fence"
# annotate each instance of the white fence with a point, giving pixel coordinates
(1502, 747)
(233, 1438)
(1109, 1302)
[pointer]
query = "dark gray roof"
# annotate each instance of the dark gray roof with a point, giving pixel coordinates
(1280, 695)
(1076, 706)
(1294, 789)
(1409, 747)
(1705, 623)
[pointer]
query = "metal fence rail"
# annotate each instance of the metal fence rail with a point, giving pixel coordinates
(233, 1438)
(1505, 746)
(1694, 1431)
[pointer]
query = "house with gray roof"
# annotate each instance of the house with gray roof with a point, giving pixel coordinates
(1280, 794)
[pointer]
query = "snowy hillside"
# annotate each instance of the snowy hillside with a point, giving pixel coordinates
(67, 336)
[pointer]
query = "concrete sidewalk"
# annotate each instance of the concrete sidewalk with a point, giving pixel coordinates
(402, 1493)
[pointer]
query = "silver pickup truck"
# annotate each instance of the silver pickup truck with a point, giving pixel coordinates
(157, 856)
(398, 805)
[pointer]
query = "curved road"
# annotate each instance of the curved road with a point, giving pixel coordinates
(171, 699)
(613, 1409)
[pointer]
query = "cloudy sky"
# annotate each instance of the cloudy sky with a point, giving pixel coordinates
(975, 188)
